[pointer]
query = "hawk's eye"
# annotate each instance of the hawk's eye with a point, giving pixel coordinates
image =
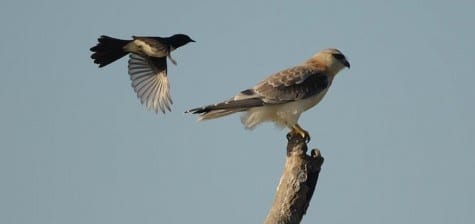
(339, 56)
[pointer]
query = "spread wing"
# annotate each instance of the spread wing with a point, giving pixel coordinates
(150, 82)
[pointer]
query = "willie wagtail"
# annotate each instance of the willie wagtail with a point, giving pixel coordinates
(147, 64)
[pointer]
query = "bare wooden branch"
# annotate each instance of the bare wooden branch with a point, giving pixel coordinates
(297, 183)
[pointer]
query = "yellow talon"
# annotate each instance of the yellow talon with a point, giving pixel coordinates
(296, 129)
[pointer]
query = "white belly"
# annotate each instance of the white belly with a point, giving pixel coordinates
(283, 115)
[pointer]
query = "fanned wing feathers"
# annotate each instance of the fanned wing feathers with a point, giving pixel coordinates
(150, 82)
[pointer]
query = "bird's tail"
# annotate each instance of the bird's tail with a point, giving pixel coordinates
(108, 50)
(225, 108)
(212, 114)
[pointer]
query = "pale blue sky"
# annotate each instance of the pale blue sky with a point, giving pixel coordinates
(396, 130)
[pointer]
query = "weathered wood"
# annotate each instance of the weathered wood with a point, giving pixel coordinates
(297, 183)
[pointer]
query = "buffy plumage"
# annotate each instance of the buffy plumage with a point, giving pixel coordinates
(284, 96)
(147, 64)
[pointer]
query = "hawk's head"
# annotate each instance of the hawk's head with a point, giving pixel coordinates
(332, 58)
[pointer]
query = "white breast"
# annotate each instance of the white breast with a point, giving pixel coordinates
(283, 115)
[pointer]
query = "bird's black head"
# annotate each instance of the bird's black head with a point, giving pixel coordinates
(179, 40)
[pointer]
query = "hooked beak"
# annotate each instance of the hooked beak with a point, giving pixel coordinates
(346, 63)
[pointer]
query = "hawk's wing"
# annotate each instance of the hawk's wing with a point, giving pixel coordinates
(291, 84)
(150, 82)
(288, 85)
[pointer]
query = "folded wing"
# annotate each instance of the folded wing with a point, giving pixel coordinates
(292, 84)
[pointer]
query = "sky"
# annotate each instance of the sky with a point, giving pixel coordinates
(396, 130)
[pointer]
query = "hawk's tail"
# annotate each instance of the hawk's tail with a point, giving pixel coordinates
(108, 50)
(225, 108)
(213, 113)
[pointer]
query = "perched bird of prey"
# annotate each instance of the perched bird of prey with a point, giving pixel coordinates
(147, 64)
(283, 96)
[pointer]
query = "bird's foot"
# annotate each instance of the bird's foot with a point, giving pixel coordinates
(297, 130)
(171, 59)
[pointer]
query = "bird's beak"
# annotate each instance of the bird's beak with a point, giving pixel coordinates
(192, 40)
(346, 63)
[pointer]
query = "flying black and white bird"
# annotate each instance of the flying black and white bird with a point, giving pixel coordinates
(282, 97)
(147, 64)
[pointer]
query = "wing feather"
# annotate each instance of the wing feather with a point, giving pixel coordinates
(150, 82)
(288, 85)
(292, 84)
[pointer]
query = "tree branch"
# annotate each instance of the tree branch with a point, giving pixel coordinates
(297, 183)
